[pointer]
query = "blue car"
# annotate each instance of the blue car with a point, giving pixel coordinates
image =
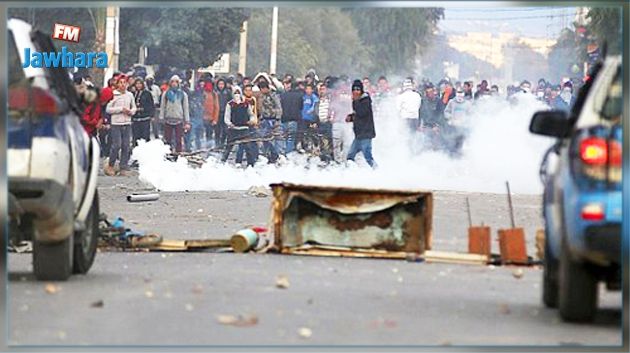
(582, 196)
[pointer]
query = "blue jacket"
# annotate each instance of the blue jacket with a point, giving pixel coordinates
(308, 107)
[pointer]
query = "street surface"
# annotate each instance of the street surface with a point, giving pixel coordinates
(177, 298)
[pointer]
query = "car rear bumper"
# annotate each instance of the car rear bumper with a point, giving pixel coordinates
(49, 202)
(604, 242)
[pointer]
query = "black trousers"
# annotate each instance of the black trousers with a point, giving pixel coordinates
(141, 130)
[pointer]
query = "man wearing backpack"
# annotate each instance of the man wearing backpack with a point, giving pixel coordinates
(175, 113)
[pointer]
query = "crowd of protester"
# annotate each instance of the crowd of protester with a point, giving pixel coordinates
(271, 118)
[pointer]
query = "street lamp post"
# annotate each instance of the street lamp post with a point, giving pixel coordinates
(274, 41)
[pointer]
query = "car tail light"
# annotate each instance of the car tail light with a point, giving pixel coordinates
(593, 212)
(615, 153)
(33, 99)
(594, 151)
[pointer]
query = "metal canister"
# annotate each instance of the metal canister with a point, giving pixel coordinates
(244, 240)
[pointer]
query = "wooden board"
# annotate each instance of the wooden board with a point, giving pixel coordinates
(456, 258)
(207, 243)
(345, 253)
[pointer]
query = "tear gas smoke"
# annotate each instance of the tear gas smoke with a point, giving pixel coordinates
(499, 147)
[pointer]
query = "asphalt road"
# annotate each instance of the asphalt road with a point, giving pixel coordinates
(177, 298)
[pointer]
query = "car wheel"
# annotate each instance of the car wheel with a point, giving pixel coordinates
(52, 261)
(550, 277)
(87, 240)
(578, 289)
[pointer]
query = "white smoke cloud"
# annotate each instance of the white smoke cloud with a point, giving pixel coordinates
(499, 148)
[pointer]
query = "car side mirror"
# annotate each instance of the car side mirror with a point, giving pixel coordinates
(554, 123)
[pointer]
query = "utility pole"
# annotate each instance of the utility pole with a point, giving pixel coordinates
(274, 41)
(242, 54)
(111, 41)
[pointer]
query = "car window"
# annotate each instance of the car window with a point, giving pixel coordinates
(16, 74)
(613, 105)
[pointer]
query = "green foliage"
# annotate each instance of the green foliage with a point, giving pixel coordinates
(179, 37)
(605, 25)
(320, 38)
(569, 50)
(395, 35)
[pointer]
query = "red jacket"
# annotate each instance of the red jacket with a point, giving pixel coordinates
(91, 118)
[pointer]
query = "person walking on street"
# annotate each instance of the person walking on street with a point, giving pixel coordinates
(196, 118)
(291, 100)
(122, 107)
(362, 118)
(175, 113)
(248, 97)
(141, 121)
(106, 96)
(239, 116)
(340, 107)
(409, 102)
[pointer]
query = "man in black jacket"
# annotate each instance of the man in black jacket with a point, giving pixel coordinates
(225, 95)
(363, 120)
(291, 101)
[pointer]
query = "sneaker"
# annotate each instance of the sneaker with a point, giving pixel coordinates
(109, 170)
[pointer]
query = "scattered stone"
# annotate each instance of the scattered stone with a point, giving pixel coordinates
(517, 273)
(97, 304)
(305, 332)
(189, 307)
(504, 309)
(238, 320)
(282, 282)
(51, 288)
(258, 191)
(197, 289)
(149, 294)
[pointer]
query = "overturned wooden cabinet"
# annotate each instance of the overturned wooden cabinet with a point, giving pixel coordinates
(351, 221)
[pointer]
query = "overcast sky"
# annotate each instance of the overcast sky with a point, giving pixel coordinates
(546, 22)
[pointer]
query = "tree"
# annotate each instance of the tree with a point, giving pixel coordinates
(179, 37)
(320, 38)
(395, 35)
(569, 51)
(605, 25)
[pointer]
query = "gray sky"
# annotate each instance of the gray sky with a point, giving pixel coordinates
(546, 22)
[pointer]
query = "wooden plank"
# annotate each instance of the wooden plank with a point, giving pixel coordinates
(169, 244)
(207, 243)
(452, 257)
(349, 253)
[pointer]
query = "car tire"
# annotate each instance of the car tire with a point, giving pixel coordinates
(578, 289)
(550, 277)
(86, 241)
(53, 261)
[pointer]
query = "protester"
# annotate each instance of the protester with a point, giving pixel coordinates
(363, 124)
(483, 90)
(106, 96)
(156, 94)
(239, 116)
(324, 117)
(340, 107)
(91, 119)
(565, 99)
(468, 90)
(291, 100)
(175, 113)
(307, 126)
(145, 109)
(248, 97)
(408, 103)
(122, 107)
(210, 111)
(270, 114)
(197, 128)
(225, 95)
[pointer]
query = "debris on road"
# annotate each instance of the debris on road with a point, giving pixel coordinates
(478, 236)
(455, 258)
(305, 332)
(392, 221)
(504, 309)
(244, 240)
(512, 240)
(97, 304)
(24, 246)
(517, 273)
(238, 320)
(51, 288)
(259, 191)
(149, 294)
(143, 197)
(282, 282)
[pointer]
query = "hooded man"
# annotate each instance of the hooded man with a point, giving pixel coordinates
(210, 110)
(175, 113)
(409, 102)
(225, 95)
(565, 99)
(122, 107)
(362, 118)
(239, 117)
